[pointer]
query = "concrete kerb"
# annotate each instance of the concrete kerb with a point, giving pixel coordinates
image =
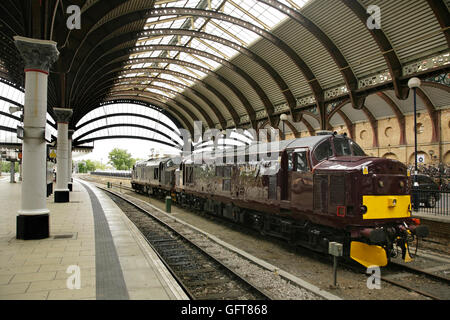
(161, 271)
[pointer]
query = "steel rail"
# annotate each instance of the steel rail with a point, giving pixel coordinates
(252, 288)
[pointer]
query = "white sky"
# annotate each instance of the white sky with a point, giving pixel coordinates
(138, 149)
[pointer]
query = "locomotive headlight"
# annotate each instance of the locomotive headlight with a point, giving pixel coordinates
(381, 184)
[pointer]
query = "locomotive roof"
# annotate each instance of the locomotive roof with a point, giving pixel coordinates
(152, 162)
(307, 142)
(277, 146)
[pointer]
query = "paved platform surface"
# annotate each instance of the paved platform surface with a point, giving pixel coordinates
(433, 217)
(90, 237)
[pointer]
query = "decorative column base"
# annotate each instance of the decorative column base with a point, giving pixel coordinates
(62, 196)
(34, 227)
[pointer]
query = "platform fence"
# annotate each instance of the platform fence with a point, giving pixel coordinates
(433, 202)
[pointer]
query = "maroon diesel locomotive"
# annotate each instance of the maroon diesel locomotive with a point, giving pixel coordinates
(309, 191)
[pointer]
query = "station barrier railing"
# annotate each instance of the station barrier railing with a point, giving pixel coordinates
(435, 202)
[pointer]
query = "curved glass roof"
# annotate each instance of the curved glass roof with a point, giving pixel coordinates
(127, 119)
(251, 11)
(10, 96)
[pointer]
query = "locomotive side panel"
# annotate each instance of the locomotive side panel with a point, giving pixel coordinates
(320, 189)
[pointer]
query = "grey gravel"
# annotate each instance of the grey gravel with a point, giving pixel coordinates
(271, 282)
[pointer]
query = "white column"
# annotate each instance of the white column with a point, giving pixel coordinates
(33, 217)
(62, 155)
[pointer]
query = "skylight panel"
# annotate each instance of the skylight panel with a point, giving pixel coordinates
(266, 16)
(189, 3)
(213, 48)
(244, 34)
(252, 11)
(157, 91)
(295, 4)
(215, 29)
(226, 51)
(172, 86)
(168, 86)
(176, 79)
(199, 22)
(152, 19)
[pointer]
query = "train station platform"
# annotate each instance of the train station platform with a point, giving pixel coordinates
(94, 253)
(439, 225)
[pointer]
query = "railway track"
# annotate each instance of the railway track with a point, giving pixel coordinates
(202, 276)
(414, 279)
(421, 281)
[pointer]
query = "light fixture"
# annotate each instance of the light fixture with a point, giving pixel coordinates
(414, 83)
(284, 117)
(14, 109)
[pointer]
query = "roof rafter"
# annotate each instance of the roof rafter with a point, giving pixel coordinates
(117, 66)
(305, 70)
(393, 62)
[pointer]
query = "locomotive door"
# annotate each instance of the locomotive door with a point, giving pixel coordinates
(301, 180)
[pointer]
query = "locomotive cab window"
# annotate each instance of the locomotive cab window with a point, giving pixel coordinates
(347, 147)
(301, 162)
(323, 151)
(357, 151)
(342, 147)
(290, 160)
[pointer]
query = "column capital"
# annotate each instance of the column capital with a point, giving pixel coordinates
(63, 114)
(38, 55)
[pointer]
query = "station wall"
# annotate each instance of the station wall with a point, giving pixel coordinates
(389, 138)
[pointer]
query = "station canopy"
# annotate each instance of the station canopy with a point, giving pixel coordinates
(147, 69)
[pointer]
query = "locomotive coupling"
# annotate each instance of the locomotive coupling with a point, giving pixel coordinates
(377, 236)
(420, 231)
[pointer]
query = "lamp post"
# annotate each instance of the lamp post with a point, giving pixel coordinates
(415, 83)
(283, 119)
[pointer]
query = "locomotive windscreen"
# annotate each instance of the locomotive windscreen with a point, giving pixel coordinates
(347, 147)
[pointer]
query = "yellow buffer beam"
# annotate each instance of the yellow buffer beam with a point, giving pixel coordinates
(387, 207)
